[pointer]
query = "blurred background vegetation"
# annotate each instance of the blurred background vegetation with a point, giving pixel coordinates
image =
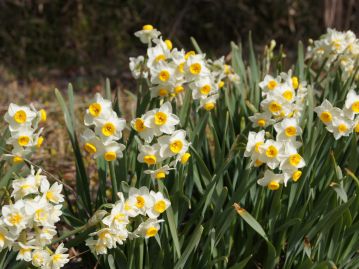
(64, 39)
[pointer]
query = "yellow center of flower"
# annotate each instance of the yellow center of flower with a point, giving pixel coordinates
(296, 175)
(221, 84)
(108, 129)
(160, 175)
(261, 122)
(185, 158)
(40, 140)
(290, 131)
(288, 95)
(326, 117)
(152, 231)
(258, 163)
(103, 234)
(188, 54)
(181, 67)
(147, 27)
(160, 206)
(209, 106)
(50, 196)
(2, 237)
(95, 109)
(90, 148)
(20, 116)
(205, 89)
(139, 125)
(169, 44)
(355, 107)
(164, 75)
(295, 159)
(43, 115)
(17, 159)
(272, 152)
(257, 145)
(195, 68)
(15, 219)
(179, 89)
(56, 257)
(342, 128)
(160, 118)
(272, 84)
(295, 82)
(120, 217)
(160, 57)
(273, 185)
(176, 146)
(110, 156)
(150, 159)
(356, 128)
(275, 107)
(140, 202)
(23, 140)
(39, 215)
(163, 92)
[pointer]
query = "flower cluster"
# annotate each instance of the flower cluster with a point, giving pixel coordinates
(27, 223)
(172, 71)
(161, 140)
(142, 206)
(25, 136)
(282, 106)
(104, 130)
(336, 49)
(340, 122)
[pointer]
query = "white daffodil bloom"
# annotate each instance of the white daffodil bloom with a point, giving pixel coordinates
(113, 150)
(15, 217)
(209, 103)
(40, 209)
(276, 106)
(91, 143)
(195, 67)
(139, 199)
(261, 120)
(24, 186)
(147, 34)
(23, 137)
(341, 126)
(160, 205)
(255, 140)
(45, 234)
(110, 128)
(271, 181)
(291, 159)
(40, 257)
(287, 129)
(144, 132)
(326, 112)
(351, 106)
(18, 154)
(25, 252)
(6, 238)
(163, 73)
(96, 246)
(159, 173)
(137, 67)
(175, 144)
(178, 57)
(52, 193)
(158, 53)
(162, 90)
(109, 237)
(161, 120)
(285, 92)
(118, 217)
(19, 117)
(148, 229)
(269, 84)
(58, 259)
(202, 87)
(99, 108)
(270, 152)
(149, 154)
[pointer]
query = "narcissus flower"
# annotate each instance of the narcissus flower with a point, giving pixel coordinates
(147, 34)
(271, 181)
(175, 144)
